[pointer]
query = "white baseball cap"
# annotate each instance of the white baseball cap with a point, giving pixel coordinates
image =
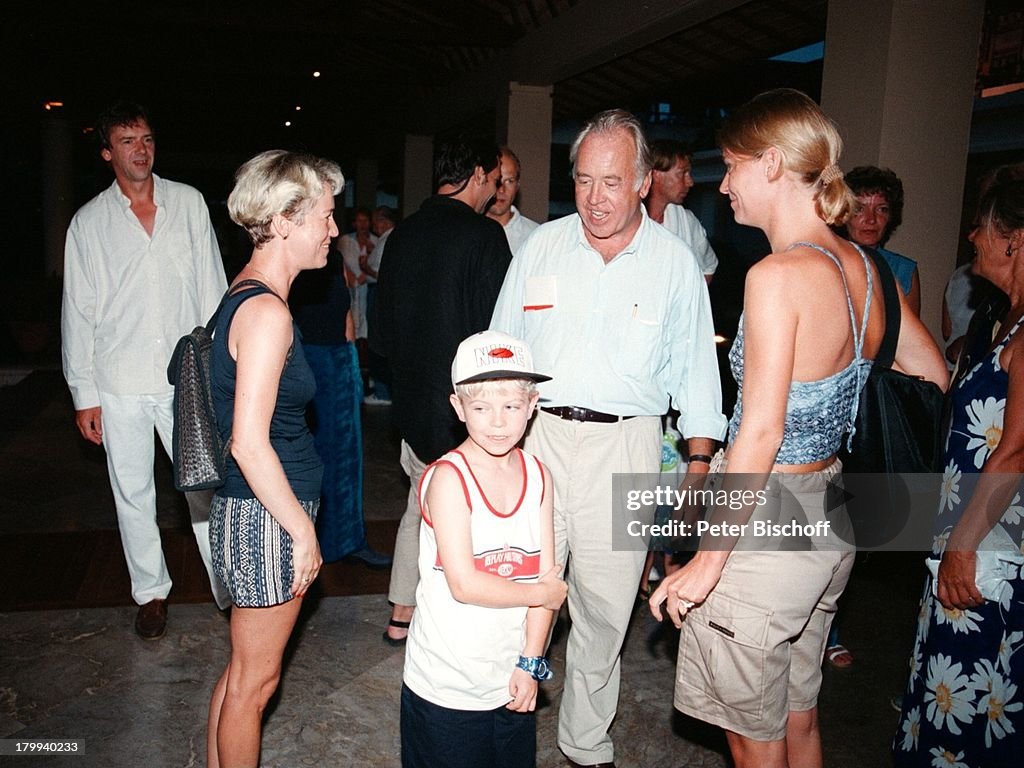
(493, 355)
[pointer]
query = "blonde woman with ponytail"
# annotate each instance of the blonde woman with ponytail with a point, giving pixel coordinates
(754, 619)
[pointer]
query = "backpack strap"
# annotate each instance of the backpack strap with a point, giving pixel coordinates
(231, 291)
(893, 317)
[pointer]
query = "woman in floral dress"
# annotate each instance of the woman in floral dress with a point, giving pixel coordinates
(964, 704)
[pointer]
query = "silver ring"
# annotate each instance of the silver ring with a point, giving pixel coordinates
(306, 580)
(687, 604)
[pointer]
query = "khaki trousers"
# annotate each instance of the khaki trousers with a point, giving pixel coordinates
(582, 457)
(405, 573)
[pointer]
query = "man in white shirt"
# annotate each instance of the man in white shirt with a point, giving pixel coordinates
(517, 227)
(671, 181)
(141, 268)
(614, 307)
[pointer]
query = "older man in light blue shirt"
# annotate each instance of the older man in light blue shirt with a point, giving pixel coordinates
(616, 311)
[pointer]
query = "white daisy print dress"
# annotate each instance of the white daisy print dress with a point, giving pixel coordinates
(964, 702)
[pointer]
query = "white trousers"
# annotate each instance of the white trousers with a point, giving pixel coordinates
(128, 423)
(582, 458)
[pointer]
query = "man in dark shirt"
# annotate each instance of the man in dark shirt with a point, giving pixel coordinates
(445, 265)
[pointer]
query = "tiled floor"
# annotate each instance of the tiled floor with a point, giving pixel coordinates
(72, 668)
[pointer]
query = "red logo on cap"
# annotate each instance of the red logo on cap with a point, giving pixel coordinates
(501, 352)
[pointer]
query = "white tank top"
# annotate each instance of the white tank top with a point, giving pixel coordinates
(461, 656)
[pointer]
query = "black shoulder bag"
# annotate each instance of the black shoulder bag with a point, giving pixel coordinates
(899, 416)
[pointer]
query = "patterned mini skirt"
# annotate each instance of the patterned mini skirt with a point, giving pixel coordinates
(252, 553)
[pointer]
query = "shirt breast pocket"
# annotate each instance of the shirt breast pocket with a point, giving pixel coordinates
(641, 345)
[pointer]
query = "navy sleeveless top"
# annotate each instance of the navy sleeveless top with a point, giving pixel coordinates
(289, 433)
(818, 413)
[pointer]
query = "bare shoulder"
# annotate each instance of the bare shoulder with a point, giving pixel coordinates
(1012, 357)
(444, 472)
(266, 308)
(446, 488)
(262, 320)
(774, 275)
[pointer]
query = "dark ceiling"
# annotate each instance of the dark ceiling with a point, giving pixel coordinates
(221, 78)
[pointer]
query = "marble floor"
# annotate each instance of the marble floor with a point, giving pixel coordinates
(71, 666)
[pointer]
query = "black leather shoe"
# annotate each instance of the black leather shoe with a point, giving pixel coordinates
(151, 620)
(371, 558)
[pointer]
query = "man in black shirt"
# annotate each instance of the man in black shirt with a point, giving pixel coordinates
(445, 265)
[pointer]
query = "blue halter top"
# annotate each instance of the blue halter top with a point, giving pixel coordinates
(818, 413)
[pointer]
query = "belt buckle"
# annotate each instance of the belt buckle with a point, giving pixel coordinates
(577, 414)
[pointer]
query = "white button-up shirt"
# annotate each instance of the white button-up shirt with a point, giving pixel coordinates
(518, 229)
(129, 297)
(621, 337)
(682, 223)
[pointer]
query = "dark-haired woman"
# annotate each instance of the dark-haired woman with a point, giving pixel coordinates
(964, 702)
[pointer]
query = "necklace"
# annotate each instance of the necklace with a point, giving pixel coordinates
(267, 280)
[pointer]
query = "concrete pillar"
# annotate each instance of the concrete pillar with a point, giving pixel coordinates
(417, 172)
(58, 191)
(366, 182)
(524, 123)
(899, 81)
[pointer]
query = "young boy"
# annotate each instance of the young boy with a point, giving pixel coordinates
(489, 588)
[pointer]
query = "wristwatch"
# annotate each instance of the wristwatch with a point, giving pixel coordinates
(537, 666)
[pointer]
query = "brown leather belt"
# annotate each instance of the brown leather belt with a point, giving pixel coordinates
(575, 413)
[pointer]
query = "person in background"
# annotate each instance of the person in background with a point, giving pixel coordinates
(356, 248)
(319, 301)
(879, 213)
(753, 620)
(262, 519)
(517, 227)
(384, 220)
(141, 268)
(963, 702)
(879, 194)
(671, 182)
(437, 285)
(965, 292)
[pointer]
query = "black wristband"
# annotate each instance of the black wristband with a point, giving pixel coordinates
(703, 458)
